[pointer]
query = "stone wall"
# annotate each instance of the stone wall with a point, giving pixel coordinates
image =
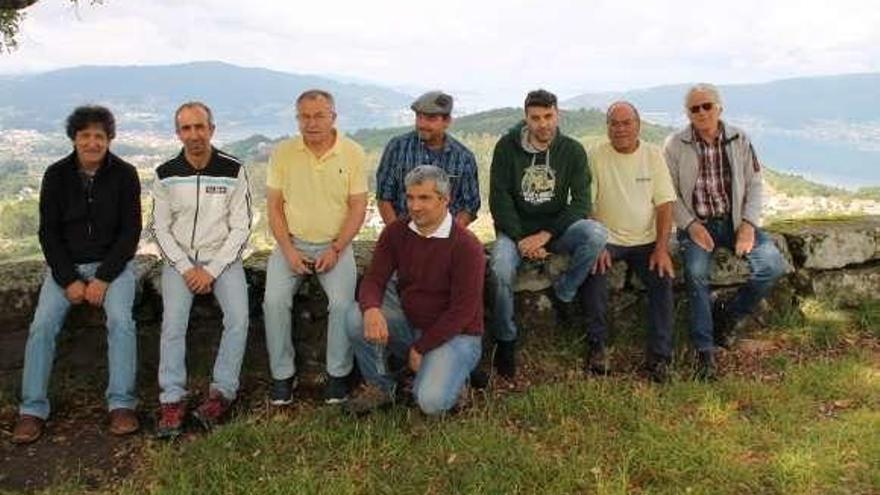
(837, 261)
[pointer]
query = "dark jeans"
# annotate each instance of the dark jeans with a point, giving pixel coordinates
(766, 264)
(595, 299)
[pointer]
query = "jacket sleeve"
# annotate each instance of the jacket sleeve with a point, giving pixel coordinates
(161, 229)
(680, 214)
(501, 201)
(468, 273)
(754, 184)
(57, 256)
(129, 231)
(579, 187)
(239, 226)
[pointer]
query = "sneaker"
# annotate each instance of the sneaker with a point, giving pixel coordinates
(210, 413)
(27, 429)
(657, 368)
(336, 390)
(171, 416)
(368, 399)
(282, 391)
(707, 370)
(124, 421)
(505, 358)
(597, 361)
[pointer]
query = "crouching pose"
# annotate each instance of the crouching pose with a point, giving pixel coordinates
(437, 325)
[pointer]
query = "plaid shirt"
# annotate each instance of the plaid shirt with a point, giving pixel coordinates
(406, 152)
(712, 190)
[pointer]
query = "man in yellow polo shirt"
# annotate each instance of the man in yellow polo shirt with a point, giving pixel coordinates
(317, 199)
(633, 197)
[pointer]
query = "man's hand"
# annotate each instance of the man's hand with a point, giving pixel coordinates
(661, 261)
(532, 247)
(95, 291)
(603, 263)
(327, 260)
(463, 218)
(300, 263)
(701, 237)
(75, 292)
(375, 326)
(415, 359)
(745, 239)
(198, 280)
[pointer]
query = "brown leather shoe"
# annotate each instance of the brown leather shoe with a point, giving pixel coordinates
(123, 421)
(28, 429)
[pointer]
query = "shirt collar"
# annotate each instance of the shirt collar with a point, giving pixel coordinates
(442, 232)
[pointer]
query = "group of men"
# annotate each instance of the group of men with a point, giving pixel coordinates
(420, 301)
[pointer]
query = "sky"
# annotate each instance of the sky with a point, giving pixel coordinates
(487, 52)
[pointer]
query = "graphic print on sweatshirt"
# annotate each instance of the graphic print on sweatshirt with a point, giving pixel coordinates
(539, 180)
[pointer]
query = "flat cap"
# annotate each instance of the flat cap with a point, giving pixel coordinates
(433, 103)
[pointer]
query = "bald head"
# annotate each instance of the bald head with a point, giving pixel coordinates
(624, 124)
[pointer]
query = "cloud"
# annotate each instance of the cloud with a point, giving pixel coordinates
(495, 48)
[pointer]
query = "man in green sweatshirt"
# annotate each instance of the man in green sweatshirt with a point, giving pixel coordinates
(539, 195)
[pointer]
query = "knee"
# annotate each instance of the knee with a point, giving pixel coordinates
(591, 234)
(767, 261)
(504, 261)
(432, 401)
(274, 300)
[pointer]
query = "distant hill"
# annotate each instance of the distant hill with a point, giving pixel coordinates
(245, 100)
(788, 103)
(824, 128)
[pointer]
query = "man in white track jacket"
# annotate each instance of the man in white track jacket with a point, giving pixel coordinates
(201, 221)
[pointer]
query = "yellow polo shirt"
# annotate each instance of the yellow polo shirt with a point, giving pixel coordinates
(316, 189)
(626, 188)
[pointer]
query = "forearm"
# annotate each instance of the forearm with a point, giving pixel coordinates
(386, 211)
(663, 222)
(357, 210)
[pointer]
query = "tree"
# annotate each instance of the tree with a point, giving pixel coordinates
(11, 15)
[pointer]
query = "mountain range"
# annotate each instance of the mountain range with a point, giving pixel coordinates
(825, 128)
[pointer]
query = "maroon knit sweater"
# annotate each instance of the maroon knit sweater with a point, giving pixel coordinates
(440, 281)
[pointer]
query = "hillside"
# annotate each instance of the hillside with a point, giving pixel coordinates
(245, 100)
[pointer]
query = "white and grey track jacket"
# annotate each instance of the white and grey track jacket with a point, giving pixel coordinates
(201, 216)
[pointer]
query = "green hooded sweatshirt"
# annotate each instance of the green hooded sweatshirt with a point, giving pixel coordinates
(533, 191)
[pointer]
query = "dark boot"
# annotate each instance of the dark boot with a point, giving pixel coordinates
(657, 368)
(597, 360)
(707, 370)
(505, 358)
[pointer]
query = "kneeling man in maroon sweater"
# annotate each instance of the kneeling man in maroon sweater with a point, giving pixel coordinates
(437, 324)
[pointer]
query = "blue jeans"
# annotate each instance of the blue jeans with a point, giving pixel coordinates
(766, 265)
(49, 316)
(583, 241)
(660, 310)
(444, 369)
(230, 289)
(281, 285)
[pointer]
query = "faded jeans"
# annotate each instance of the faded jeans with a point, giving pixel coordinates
(230, 289)
(583, 241)
(281, 285)
(49, 316)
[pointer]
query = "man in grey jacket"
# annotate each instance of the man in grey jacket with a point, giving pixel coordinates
(717, 177)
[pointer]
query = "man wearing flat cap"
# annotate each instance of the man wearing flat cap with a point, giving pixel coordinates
(428, 144)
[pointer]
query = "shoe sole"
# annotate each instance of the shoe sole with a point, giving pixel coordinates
(281, 402)
(336, 400)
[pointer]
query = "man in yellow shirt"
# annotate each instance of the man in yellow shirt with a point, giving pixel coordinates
(633, 197)
(316, 202)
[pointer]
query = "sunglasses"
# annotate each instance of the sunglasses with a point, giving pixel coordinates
(705, 106)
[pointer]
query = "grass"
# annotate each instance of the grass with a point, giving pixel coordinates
(807, 420)
(816, 431)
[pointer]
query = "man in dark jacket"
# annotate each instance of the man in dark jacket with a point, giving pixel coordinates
(539, 195)
(90, 224)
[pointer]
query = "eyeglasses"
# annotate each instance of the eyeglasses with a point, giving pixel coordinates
(318, 117)
(705, 106)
